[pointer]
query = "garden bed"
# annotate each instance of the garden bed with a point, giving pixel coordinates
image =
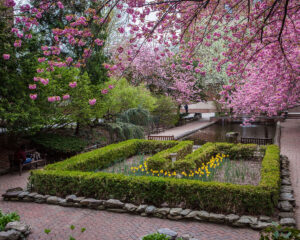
(76, 176)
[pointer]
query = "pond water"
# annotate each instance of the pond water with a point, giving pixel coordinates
(217, 132)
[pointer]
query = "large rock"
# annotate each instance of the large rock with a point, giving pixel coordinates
(78, 199)
(11, 195)
(130, 207)
(286, 181)
(168, 232)
(23, 194)
(287, 197)
(198, 215)
(285, 173)
(150, 210)
(40, 198)
(141, 208)
(286, 189)
(231, 218)
(18, 226)
(161, 212)
(286, 214)
(32, 195)
(113, 203)
(71, 198)
(285, 206)
(185, 212)
(287, 222)
(53, 200)
(265, 219)
(175, 211)
(245, 221)
(10, 235)
(260, 225)
(218, 218)
(203, 215)
(91, 202)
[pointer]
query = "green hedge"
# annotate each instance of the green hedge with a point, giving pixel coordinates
(204, 154)
(104, 157)
(162, 160)
(68, 178)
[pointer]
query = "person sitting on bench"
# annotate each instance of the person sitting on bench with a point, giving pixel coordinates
(21, 155)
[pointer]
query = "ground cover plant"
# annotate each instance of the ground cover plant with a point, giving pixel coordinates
(6, 218)
(77, 175)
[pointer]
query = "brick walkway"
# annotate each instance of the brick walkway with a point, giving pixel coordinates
(181, 131)
(290, 146)
(103, 225)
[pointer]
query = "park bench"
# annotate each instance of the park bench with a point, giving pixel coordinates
(17, 163)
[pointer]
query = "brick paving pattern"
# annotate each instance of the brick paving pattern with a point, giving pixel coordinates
(103, 225)
(290, 146)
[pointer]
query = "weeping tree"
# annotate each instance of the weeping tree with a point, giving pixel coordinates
(130, 124)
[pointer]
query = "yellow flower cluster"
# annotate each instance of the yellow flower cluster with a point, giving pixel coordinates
(204, 170)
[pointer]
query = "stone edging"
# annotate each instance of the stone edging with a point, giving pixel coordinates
(286, 206)
(287, 201)
(15, 230)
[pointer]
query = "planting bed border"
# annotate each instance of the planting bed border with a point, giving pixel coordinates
(71, 177)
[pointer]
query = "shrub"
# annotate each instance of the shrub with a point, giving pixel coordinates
(67, 177)
(156, 236)
(235, 151)
(103, 157)
(55, 144)
(278, 232)
(6, 218)
(162, 160)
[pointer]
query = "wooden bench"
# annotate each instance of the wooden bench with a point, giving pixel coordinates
(17, 163)
(161, 138)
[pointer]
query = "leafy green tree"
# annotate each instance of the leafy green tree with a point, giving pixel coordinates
(67, 105)
(124, 96)
(17, 113)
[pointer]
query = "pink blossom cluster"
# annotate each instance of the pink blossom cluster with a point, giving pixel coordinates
(54, 99)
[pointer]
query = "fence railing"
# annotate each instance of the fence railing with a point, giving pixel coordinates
(258, 141)
(161, 138)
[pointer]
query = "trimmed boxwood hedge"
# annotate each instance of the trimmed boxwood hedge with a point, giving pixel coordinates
(68, 177)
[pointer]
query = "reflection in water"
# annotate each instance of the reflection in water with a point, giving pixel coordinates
(217, 132)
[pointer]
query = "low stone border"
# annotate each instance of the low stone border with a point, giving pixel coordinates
(286, 206)
(15, 231)
(287, 201)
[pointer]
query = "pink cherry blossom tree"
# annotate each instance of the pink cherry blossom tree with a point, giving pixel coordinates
(262, 38)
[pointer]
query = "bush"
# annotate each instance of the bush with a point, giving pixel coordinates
(6, 218)
(103, 157)
(55, 144)
(277, 232)
(162, 160)
(235, 151)
(67, 177)
(156, 236)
